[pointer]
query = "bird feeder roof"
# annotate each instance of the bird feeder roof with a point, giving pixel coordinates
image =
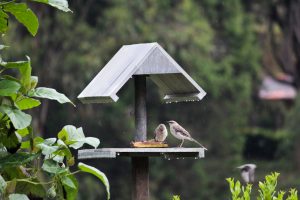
(142, 59)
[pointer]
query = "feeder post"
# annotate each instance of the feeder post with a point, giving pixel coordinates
(140, 165)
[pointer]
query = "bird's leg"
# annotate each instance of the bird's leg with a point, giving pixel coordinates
(181, 143)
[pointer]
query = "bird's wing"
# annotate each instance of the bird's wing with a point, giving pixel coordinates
(180, 129)
(245, 176)
(251, 175)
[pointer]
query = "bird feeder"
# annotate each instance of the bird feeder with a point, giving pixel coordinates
(141, 61)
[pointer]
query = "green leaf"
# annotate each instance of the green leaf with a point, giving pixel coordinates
(100, 175)
(23, 132)
(32, 187)
(17, 159)
(71, 191)
(25, 70)
(27, 103)
(47, 149)
(1, 45)
(36, 141)
(94, 142)
(3, 21)
(49, 93)
(8, 87)
(33, 81)
(74, 137)
(18, 197)
(3, 185)
(66, 181)
(60, 4)
(53, 167)
(24, 15)
(19, 119)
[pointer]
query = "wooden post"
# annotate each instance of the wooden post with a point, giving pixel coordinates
(140, 165)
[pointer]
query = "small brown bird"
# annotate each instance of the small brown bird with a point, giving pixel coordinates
(160, 133)
(247, 172)
(180, 133)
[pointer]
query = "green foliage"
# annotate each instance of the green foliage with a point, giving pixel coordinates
(176, 197)
(238, 191)
(267, 190)
(85, 168)
(25, 15)
(32, 166)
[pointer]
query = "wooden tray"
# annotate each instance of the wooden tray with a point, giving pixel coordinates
(149, 144)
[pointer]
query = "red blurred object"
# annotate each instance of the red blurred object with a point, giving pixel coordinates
(272, 89)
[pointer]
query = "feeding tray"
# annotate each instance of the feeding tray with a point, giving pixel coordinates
(168, 153)
(149, 144)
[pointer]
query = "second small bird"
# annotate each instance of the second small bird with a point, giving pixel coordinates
(180, 133)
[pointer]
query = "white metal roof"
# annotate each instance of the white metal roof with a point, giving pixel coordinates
(142, 59)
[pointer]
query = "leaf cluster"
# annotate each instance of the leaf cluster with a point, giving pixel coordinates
(32, 166)
(267, 190)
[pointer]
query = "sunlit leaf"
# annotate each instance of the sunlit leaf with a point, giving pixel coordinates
(74, 137)
(49, 93)
(8, 87)
(68, 181)
(24, 15)
(47, 149)
(3, 185)
(18, 197)
(19, 119)
(23, 132)
(60, 4)
(71, 188)
(27, 103)
(52, 167)
(100, 175)
(25, 70)
(3, 22)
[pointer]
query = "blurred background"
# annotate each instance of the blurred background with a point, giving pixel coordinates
(244, 54)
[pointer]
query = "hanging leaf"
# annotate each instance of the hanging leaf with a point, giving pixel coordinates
(3, 185)
(100, 175)
(24, 15)
(3, 22)
(67, 181)
(33, 82)
(27, 103)
(1, 45)
(71, 186)
(49, 93)
(47, 149)
(19, 119)
(53, 167)
(74, 137)
(16, 159)
(60, 4)
(18, 197)
(25, 70)
(8, 87)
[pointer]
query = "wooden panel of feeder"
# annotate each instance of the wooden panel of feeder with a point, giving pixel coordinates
(141, 152)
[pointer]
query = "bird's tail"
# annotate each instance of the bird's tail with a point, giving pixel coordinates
(192, 139)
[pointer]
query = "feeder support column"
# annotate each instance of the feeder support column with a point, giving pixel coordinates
(140, 108)
(140, 165)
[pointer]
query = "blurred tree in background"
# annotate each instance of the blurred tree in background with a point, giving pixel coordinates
(226, 46)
